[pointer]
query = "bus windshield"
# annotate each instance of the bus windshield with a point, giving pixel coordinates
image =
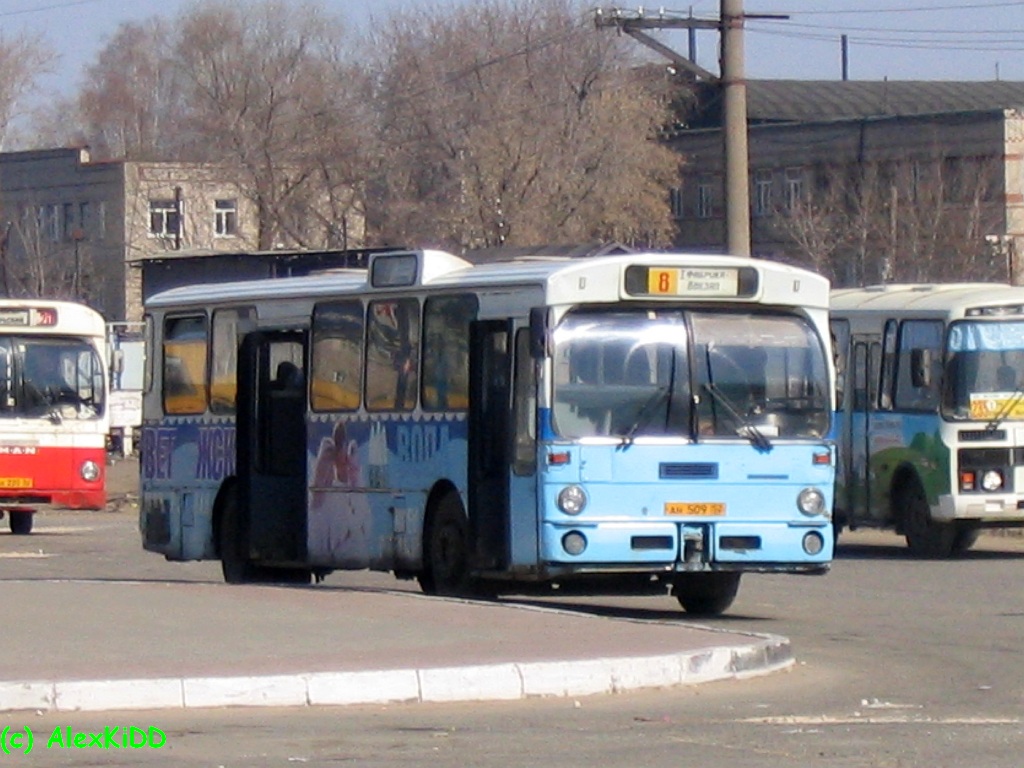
(658, 372)
(984, 371)
(50, 378)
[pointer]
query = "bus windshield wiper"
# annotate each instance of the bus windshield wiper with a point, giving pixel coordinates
(646, 413)
(1005, 410)
(746, 429)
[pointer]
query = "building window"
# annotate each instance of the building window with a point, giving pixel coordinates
(225, 218)
(50, 222)
(705, 200)
(84, 220)
(763, 193)
(794, 188)
(68, 220)
(675, 199)
(164, 218)
(101, 221)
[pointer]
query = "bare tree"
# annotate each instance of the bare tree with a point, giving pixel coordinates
(899, 221)
(23, 59)
(268, 92)
(514, 122)
(131, 105)
(264, 91)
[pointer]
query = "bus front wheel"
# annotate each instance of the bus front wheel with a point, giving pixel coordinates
(707, 594)
(925, 537)
(446, 550)
(20, 522)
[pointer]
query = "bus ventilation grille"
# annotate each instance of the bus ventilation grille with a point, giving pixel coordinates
(688, 471)
(981, 435)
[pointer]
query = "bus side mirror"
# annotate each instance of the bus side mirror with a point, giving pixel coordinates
(921, 368)
(117, 362)
(540, 341)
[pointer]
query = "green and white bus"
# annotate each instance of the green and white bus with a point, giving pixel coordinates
(931, 411)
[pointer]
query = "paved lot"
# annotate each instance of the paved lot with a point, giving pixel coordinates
(96, 623)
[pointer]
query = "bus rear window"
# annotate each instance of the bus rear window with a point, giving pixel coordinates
(184, 365)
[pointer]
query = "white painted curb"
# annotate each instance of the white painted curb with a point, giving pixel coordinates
(490, 682)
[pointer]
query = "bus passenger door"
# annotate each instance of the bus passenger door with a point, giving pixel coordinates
(271, 444)
(490, 428)
(864, 371)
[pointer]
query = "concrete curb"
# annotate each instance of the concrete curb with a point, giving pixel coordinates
(489, 682)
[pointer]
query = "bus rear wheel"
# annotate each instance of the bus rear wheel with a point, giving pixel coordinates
(20, 522)
(234, 563)
(446, 550)
(925, 537)
(707, 594)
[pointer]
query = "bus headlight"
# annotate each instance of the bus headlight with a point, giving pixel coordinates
(572, 499)
(89, 471)
(811, 501)
(991, 480)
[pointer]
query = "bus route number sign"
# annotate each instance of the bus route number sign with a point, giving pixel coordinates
(692, 281)
(696, 508)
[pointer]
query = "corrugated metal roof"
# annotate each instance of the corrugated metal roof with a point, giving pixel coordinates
(816, 100)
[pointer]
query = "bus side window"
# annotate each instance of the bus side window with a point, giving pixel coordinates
(445, 380)
(7, 399)
(229, 325)
(337, 357)
(184, 370)
(392, 354)
(840, 355)
(918, 365)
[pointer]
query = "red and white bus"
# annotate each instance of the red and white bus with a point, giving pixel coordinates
(53, 408)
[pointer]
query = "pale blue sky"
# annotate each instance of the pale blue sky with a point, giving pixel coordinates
(897, 39)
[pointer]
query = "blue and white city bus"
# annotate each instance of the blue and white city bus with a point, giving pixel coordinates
(630, 423)
(930, 430)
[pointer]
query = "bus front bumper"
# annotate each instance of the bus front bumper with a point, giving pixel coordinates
(789, 545)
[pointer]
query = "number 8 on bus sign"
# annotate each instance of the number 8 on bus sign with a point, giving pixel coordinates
(663, 281)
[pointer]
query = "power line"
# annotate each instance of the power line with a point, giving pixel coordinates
(51, 7)
(1006, 44)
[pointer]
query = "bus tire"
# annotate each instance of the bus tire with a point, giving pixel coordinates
(236, 567)
(707, 594)
(966, 535)
(446, 550)
(925, 537)
(20, 522)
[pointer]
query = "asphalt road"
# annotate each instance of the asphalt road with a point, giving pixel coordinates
(901, 662)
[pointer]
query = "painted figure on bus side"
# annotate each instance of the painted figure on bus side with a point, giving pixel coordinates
(339, 519)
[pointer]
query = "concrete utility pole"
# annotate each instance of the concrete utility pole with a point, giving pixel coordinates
(734, 86)
(734, 91)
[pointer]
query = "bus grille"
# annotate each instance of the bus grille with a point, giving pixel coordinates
(980, 435)
(688, 471)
